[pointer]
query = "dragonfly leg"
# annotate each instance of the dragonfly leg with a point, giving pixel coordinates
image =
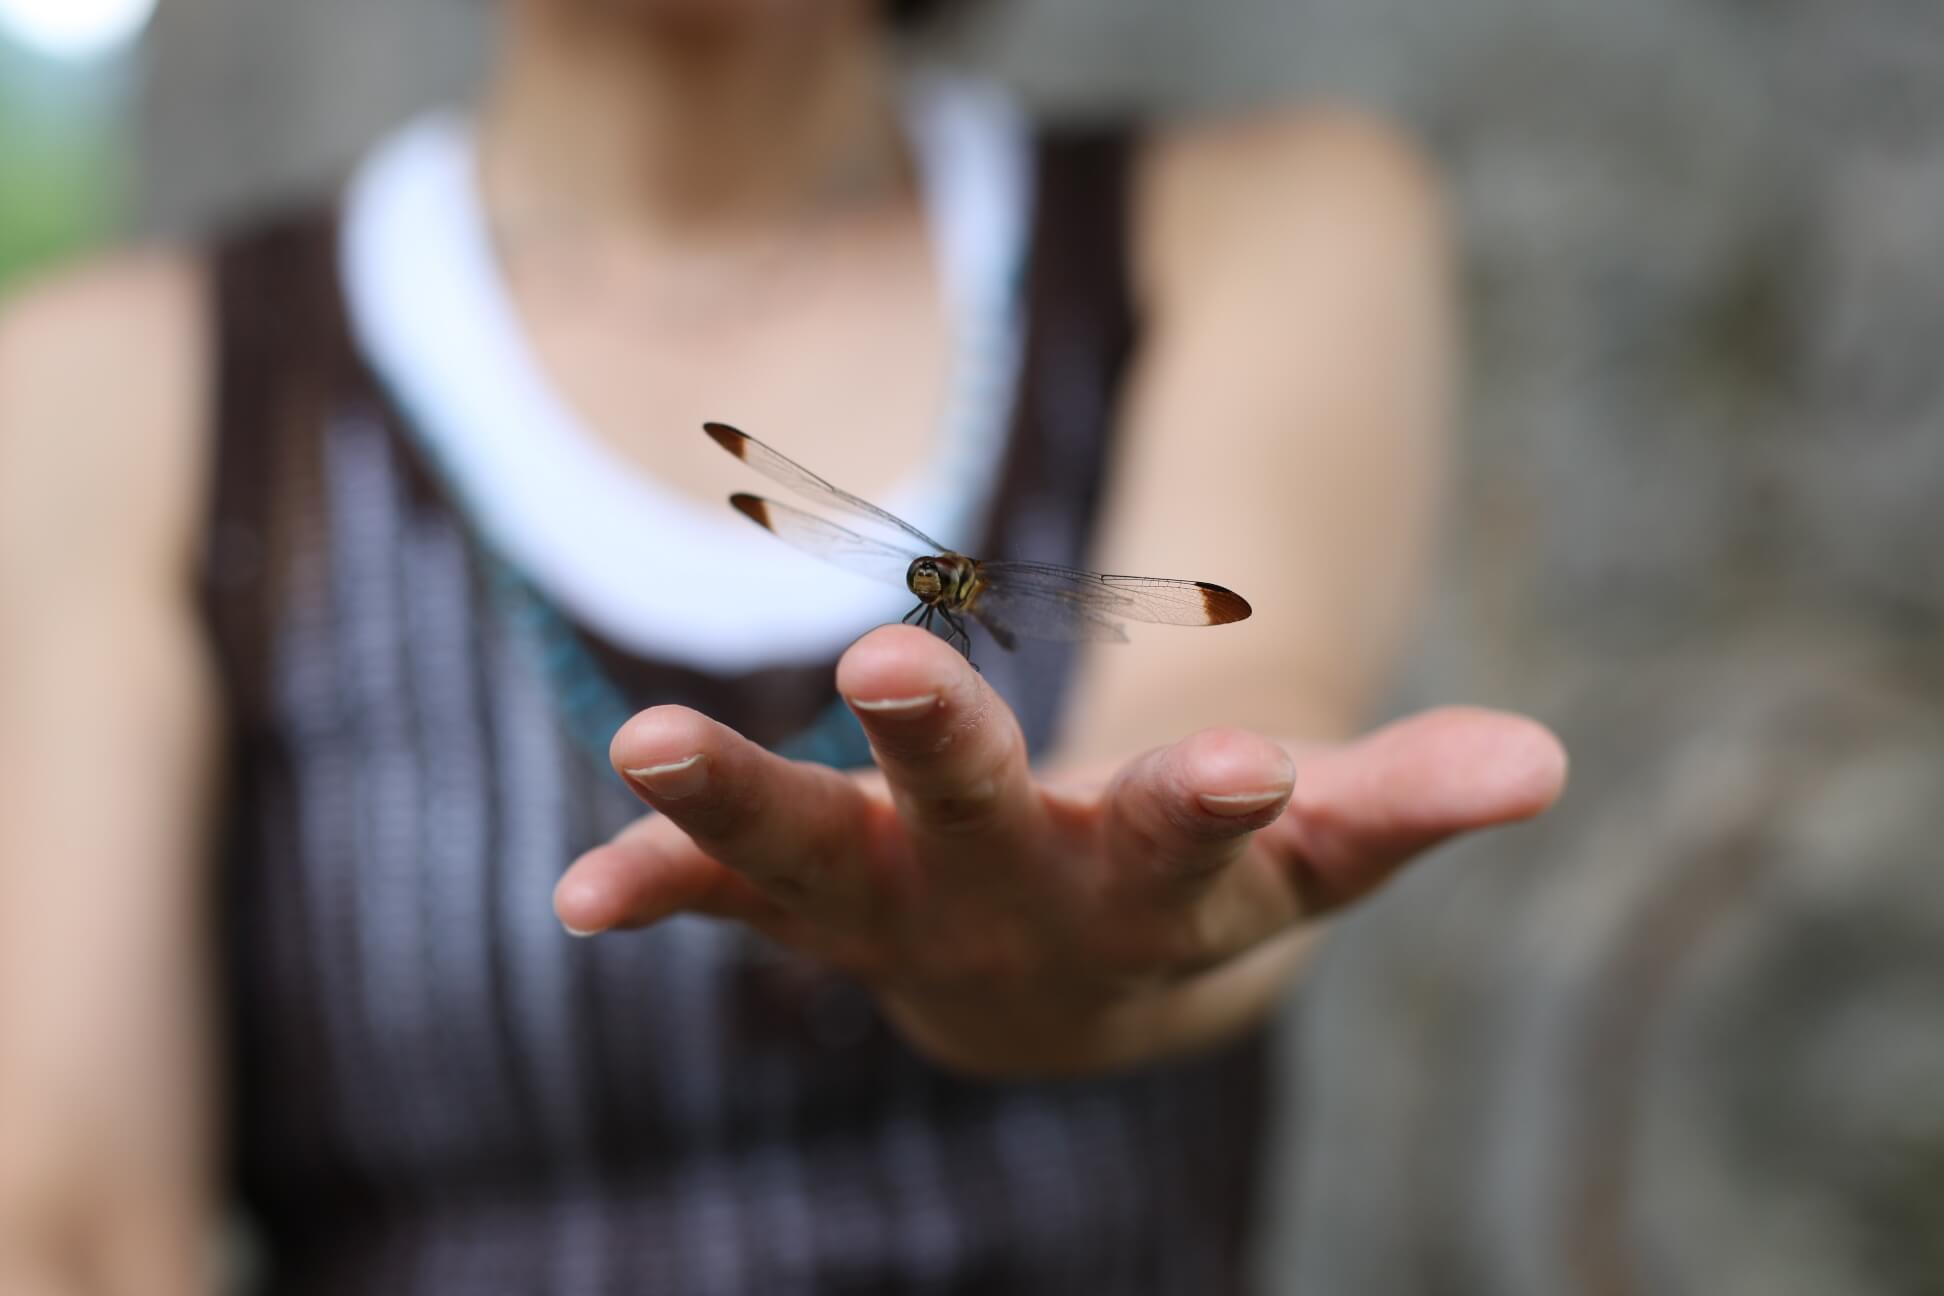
(958, 635)
(955, 633)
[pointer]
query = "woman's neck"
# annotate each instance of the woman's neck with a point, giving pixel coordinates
(691, 125)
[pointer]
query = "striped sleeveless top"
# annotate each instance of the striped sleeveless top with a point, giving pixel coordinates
(433, 1089)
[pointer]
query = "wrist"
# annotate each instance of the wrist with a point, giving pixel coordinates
(1072, 1029)
(1053, 1034)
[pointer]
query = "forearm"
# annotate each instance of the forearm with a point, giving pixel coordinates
(105, 1079)
(48, 1249)
(105, 1166)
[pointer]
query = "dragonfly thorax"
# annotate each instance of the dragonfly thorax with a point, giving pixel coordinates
(944, 578)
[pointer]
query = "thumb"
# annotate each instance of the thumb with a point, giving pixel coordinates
(1362, 809)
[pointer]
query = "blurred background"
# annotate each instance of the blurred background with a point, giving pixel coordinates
(1687, 1034)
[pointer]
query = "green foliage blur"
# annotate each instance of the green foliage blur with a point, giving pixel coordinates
(63, 158)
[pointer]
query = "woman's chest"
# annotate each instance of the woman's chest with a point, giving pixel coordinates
(842, 351)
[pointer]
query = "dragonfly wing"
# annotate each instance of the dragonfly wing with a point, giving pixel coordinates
(1118, 598)
(826, 540)
(787, 472)
(1001, 633)
(1009, 611)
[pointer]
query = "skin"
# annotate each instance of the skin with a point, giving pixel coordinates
(1150, 889)
(1019, 925)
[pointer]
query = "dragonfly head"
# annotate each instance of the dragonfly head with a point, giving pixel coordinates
(946, 579)
(926, 579)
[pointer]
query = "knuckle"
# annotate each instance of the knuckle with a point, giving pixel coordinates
(964, 810)
(730, 813)
(1199, 941)
(813, 872)
(973, 797)
(1168, 858)
(1144, 936)
(1214, 932)
(1172, 943)
(1165, 839)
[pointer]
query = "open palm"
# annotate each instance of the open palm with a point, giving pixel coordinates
(1013, 924)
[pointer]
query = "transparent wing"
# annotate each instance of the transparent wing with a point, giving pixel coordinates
(1010, 613)
(826, 540)
(1113, 598)
(787, 472)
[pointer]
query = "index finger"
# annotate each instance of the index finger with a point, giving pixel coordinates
(950, 748)
(793, 829)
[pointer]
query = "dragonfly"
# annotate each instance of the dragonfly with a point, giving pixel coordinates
(1010, 599)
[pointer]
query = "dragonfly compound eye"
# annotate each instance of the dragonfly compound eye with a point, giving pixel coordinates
(925, 580)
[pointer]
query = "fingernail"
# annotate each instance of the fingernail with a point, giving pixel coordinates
(1241, 803)
(674, 780)
(908, 706)
(578, 934)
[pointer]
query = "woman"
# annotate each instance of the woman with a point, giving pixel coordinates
(366, 525)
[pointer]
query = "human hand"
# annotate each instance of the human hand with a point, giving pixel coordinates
(1017, 925)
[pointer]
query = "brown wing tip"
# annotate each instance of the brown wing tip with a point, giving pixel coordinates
(753, 507)
(1223, 605)
(727, 437)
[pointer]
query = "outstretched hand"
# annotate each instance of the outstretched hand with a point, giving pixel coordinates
(1012, 924)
